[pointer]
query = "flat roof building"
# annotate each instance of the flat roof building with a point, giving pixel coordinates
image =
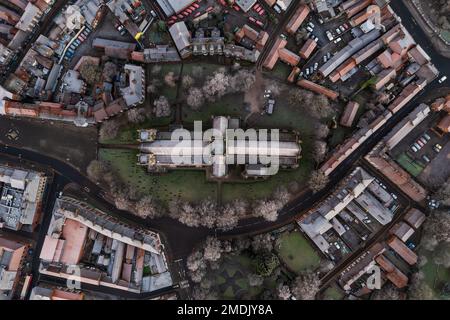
(171, 7)
(21, 199)
(12, 254)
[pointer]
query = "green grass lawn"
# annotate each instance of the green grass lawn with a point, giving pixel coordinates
(295, 251)
(435, 276)
(333, 293)
(281, 71)
(189, 185)
(409, 165)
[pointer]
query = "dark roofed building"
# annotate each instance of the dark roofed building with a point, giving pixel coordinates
(415, 218)
(402, 250)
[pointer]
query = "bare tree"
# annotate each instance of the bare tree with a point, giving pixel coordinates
(162, 107)
(436, 230)
(320, 150)
(284, 292)
(321, 131)
(387, 292)
(195, 98)
(109, 130)
(216, 86)
(212, 249)
(96, 170)
(441, 255)
(242, 81)
(306, 286)
(147, 208)
(317, 181)
(263, 242)
(418, 289)
(207, 212)
(109, 71)
(154, 86)
(187, 82)
(188, 215)
(196, 266)
(267, 209)
(318, 106)
(170, 79)
(136, 115)
(282, 196)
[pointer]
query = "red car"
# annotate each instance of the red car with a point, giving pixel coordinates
(252, 19)
(235, 7)
(196, 5)
(259, 23)
(261, 13)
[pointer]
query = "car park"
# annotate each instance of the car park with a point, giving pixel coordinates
(420, 143)
(438, 147)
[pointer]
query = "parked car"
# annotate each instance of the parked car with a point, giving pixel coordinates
(414, 149)
(441, 80)
(425, 141)
(417, 146)
(338, 31)
(309, 29)
(427, 136)
(342, 28)
(426, 159)
(277, 8)
(420, 143)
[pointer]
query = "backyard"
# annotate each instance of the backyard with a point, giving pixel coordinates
(297, 253)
